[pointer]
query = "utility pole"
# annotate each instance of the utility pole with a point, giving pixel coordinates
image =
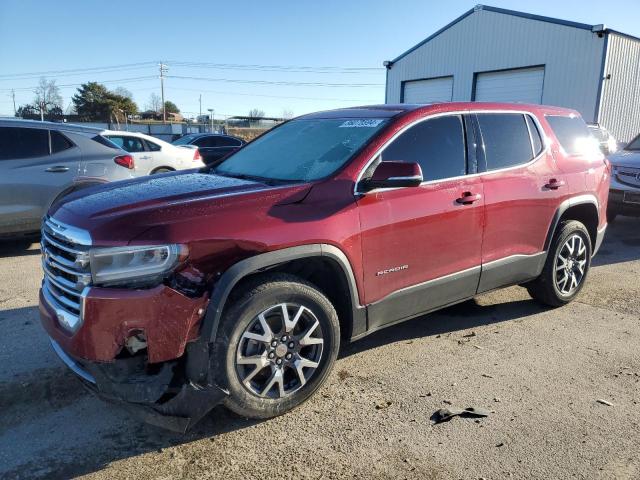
(200, 116)
(211, 111)
(163, 69)
(13, 96)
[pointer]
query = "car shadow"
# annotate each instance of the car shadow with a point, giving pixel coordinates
(621, 242)
(115, 435)
(19, 248)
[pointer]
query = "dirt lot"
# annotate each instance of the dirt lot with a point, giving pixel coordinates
(540, 371)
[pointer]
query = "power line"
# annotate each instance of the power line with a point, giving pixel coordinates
(269, 82)
(227, 66)
(287, 97)
(75, 70)
(71, 85)
(278, 68)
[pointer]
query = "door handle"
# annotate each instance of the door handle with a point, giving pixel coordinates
(57, 169)
(468, 198)
(554, 184)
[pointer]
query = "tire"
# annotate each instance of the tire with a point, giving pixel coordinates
(549, 288)
(243, 338)
(162, 170)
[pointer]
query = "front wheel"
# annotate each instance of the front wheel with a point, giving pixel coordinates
(566, 268)
(280, 339)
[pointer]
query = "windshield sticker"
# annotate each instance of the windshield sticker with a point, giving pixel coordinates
(366, 123)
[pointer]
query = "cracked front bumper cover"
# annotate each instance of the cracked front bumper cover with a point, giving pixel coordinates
(142, 394)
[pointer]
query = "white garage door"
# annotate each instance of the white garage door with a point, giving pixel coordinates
(522, 85)
(428, 91)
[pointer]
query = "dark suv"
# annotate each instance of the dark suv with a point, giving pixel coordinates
(212, 146)
(238, 283)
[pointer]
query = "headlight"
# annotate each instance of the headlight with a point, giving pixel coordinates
(133, 265)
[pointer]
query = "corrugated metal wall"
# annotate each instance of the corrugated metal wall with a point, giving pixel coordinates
(620, 107)
(485, 41)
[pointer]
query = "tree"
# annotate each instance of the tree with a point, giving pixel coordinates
(123, 92)
(47, 96)
(155, 103)
(255, 113)
(171, 107)
(95, 102)
(287, 113)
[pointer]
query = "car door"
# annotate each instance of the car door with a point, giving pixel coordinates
(521, 187)
(36, 165)
(158, 158)
(422, 245)
(136, 148)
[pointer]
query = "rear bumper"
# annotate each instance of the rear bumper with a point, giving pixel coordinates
(152, 397)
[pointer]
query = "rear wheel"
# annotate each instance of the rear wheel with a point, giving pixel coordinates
(281, 337)
(161, 170)
(566, 268)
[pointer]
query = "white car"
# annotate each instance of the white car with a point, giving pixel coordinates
(152, 155)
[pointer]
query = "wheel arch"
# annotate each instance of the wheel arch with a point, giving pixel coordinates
(351, 314)
(583, 208)
(292, 260)
(167, 169)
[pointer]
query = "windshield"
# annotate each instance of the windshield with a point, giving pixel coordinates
(302, 150)
(184, 140)
(634, 144)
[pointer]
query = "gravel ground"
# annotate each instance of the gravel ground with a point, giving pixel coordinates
(541, 372)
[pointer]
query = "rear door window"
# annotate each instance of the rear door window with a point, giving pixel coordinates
(506, 140)
(572, 133)
(17, 142)
(206, 142)
(436, 144)
(59, 143)
(152, 147)
(228, 142)
(130, 144)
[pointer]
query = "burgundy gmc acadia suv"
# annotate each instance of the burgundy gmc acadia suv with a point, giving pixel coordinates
(236, 284)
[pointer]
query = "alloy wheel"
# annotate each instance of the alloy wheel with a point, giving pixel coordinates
(571, 264)
(279, 351)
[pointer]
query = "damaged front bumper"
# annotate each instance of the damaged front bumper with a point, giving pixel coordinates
(151, 396)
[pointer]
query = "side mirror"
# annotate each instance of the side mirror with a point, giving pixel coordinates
(393, 174)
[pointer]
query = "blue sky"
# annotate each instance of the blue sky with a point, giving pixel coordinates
(47, 36)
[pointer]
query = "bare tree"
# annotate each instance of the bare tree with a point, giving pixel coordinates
(287, 113)
(123, 92)
(255, 113)
(47, 96)
(155, 103)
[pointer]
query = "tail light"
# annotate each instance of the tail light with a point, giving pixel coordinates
(125, 161)
(196, 156)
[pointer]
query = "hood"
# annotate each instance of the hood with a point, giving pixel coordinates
(120, 211)
(625, 158)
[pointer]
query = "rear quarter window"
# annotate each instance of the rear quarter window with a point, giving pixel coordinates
(572, 133)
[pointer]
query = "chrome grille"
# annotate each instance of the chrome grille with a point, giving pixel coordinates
(67, 273)
(628, 175)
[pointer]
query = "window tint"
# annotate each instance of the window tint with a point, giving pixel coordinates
(206, 142)
(228, 142)
(572, 134)
(59, 142)
(437, 145)
(153, 147)
(104, 141)
(18, 143)
(130, 144)
(506, 139)
(535, 136)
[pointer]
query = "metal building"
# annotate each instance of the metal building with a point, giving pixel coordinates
(493, 54)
